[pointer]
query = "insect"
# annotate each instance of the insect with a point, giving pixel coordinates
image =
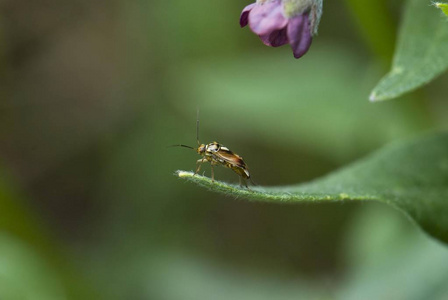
(217, 154)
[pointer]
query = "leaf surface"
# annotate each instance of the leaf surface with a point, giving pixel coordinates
(421, 53)
(411, 176)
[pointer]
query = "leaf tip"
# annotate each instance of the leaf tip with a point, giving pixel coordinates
(222, 187)
(183, 174)
(376, 97)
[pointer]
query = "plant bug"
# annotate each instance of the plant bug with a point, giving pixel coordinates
(217, 154)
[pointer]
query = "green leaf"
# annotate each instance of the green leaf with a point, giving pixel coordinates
(443, 7)
(411, 176)
(421, 54)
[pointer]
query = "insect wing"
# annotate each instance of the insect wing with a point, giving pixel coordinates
(230, 157)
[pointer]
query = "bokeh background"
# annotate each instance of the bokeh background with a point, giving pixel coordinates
(93, 92)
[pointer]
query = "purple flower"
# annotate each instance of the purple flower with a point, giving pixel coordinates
(279, 22)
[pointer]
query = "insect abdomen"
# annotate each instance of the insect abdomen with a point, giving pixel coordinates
(238, 170)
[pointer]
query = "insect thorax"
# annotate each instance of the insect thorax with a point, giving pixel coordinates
(213, 147)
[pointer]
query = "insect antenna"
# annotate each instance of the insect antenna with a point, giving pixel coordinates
(197, 127)
(181, 145)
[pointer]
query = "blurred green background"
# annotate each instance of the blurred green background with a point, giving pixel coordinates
(93, 92)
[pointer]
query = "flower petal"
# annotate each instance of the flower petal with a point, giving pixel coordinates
(299, 35)
(275, 39)
(278, 38)
(267, 17)
(244, 18)
(265, 39)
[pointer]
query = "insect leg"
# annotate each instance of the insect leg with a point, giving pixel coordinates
(213, 173)
(250, 178)
(242, 180)
(199, 163)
